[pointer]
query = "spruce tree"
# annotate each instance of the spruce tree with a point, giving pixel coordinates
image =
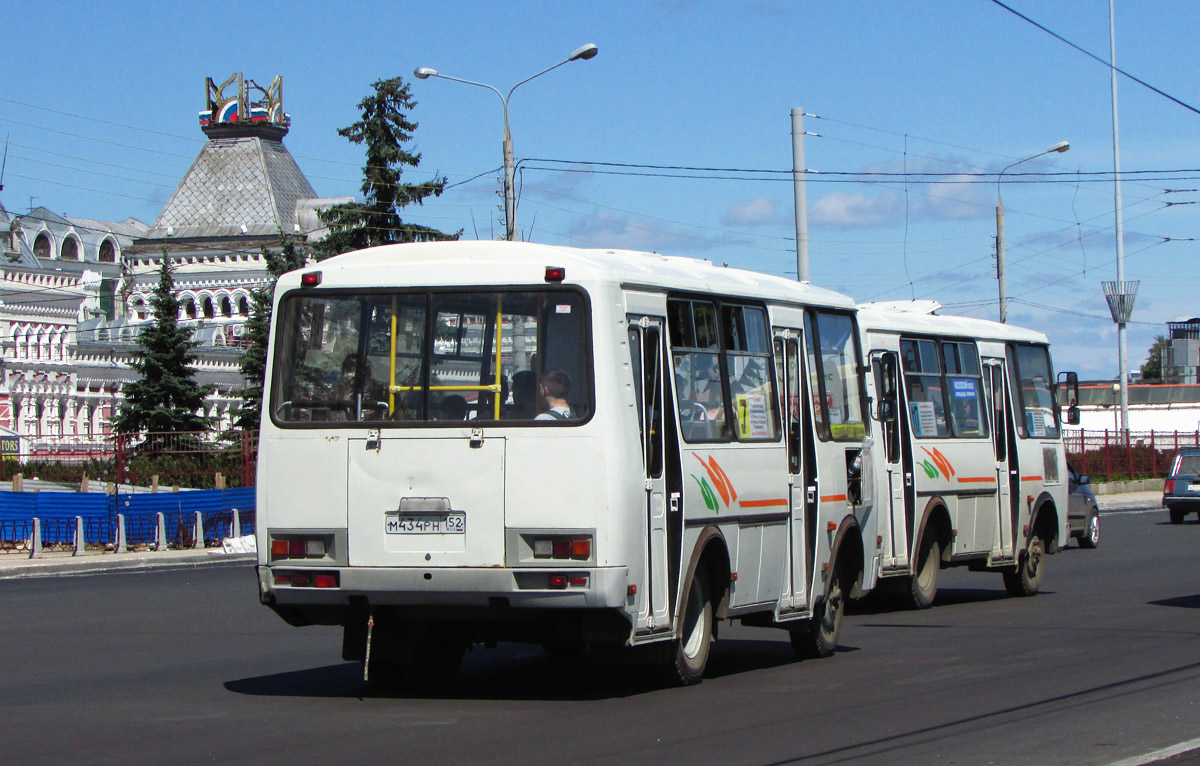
(258, 326)
(166, 396)
(384, 128)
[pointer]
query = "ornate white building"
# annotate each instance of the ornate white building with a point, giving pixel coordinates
(75, 293)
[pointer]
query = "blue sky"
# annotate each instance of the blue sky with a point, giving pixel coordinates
(100, 110)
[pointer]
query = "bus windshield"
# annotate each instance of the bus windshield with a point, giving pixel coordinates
(419, 358)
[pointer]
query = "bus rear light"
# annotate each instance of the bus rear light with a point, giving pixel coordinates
(298, 547)
(557, 582)
(311, 279)
(555, 273)
(579, 581)
(308, 579)
(565, 547)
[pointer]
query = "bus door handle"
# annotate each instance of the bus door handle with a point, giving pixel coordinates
(674, 502)
(810, 495)
(908, 478)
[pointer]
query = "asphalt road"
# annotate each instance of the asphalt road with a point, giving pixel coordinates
(183, 666)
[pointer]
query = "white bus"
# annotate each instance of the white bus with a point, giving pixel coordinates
(970, 469)
(701, 461)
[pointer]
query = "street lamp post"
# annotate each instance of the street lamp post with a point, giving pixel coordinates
(1001, 276)
(582, 53)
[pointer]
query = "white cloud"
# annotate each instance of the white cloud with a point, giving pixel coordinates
(760, 211)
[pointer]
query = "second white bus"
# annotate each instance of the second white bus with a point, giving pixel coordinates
(970, 464)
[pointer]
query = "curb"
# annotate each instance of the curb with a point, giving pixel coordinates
(122, 562)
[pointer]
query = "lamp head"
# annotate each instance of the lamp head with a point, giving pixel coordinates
(1060, 147)
(584, 52)
(424, 73)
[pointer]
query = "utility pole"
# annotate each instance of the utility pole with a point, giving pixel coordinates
(798, 179)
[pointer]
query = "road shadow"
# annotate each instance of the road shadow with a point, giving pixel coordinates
(883, 602)
(524, 673)
(1186, 602)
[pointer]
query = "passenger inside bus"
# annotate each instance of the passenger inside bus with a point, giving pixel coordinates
(554, 387)
(524, 394)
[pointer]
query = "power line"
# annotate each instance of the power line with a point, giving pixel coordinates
(1091, 55)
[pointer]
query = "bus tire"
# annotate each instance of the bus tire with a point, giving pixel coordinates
(818, 637)
(923, 584)
(1027, 577)
(694, 637)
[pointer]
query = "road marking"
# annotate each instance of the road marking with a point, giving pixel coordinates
(1159, 755)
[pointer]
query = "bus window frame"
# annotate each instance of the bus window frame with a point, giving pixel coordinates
(429, 354)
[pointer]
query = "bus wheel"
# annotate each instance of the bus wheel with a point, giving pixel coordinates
(694, 638)
(1027, 577)
(818, 637)
(923, 584)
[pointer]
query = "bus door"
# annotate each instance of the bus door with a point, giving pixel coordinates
(889, 414)
(994, 378)
(789, 358)
(648, 355)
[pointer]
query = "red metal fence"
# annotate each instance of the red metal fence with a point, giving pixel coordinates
(1122, 455)
(178, 459)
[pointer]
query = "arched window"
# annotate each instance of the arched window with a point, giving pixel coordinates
(207, 304)
(243, 306)
(70, 249)
(41, 245)
(108, 251)
(226, 306)
(189, 308)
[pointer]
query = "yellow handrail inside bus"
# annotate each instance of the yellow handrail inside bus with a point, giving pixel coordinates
(392, 364)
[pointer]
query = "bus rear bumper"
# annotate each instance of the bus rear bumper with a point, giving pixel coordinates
(593, 588)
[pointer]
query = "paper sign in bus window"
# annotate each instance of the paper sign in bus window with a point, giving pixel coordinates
(924, 418)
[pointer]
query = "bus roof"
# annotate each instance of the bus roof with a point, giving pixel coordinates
(485, 262)
(916, 317)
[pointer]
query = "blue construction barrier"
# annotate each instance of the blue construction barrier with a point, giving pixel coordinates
(57, 512)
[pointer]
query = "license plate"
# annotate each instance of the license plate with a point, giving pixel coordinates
(426, 524)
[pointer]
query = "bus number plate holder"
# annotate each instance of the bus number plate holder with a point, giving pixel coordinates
(453, 523)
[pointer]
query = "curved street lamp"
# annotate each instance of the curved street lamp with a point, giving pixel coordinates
(1001, 277)
(582, 53)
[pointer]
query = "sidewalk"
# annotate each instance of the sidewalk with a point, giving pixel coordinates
(1129, 500)
(17, 565)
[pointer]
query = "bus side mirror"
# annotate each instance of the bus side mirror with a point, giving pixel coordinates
(887, 411)
(1073, 415)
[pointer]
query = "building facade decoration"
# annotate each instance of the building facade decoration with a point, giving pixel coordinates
(75, 293)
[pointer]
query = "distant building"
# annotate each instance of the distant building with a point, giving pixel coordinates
(75, 293)
(1181, 362)
(1152, 407)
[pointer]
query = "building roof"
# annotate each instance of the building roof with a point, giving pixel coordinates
(242, 186)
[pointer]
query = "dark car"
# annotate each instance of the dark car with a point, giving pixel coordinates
(1082, 510)
(1181, 491)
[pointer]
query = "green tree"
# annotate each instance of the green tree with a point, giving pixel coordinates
(384, 128)
(258, 326)
(166, 396)
(1152, 370)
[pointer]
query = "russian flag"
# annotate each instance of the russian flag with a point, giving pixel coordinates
(205, 117)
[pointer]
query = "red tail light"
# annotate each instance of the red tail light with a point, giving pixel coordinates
(1169, 487)
(557, 582)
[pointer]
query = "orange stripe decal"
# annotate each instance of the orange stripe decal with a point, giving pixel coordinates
(1031, 478)
(977, 479)
(833, 498)
(781, 501)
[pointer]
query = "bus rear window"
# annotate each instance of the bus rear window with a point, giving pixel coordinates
(432, 358)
